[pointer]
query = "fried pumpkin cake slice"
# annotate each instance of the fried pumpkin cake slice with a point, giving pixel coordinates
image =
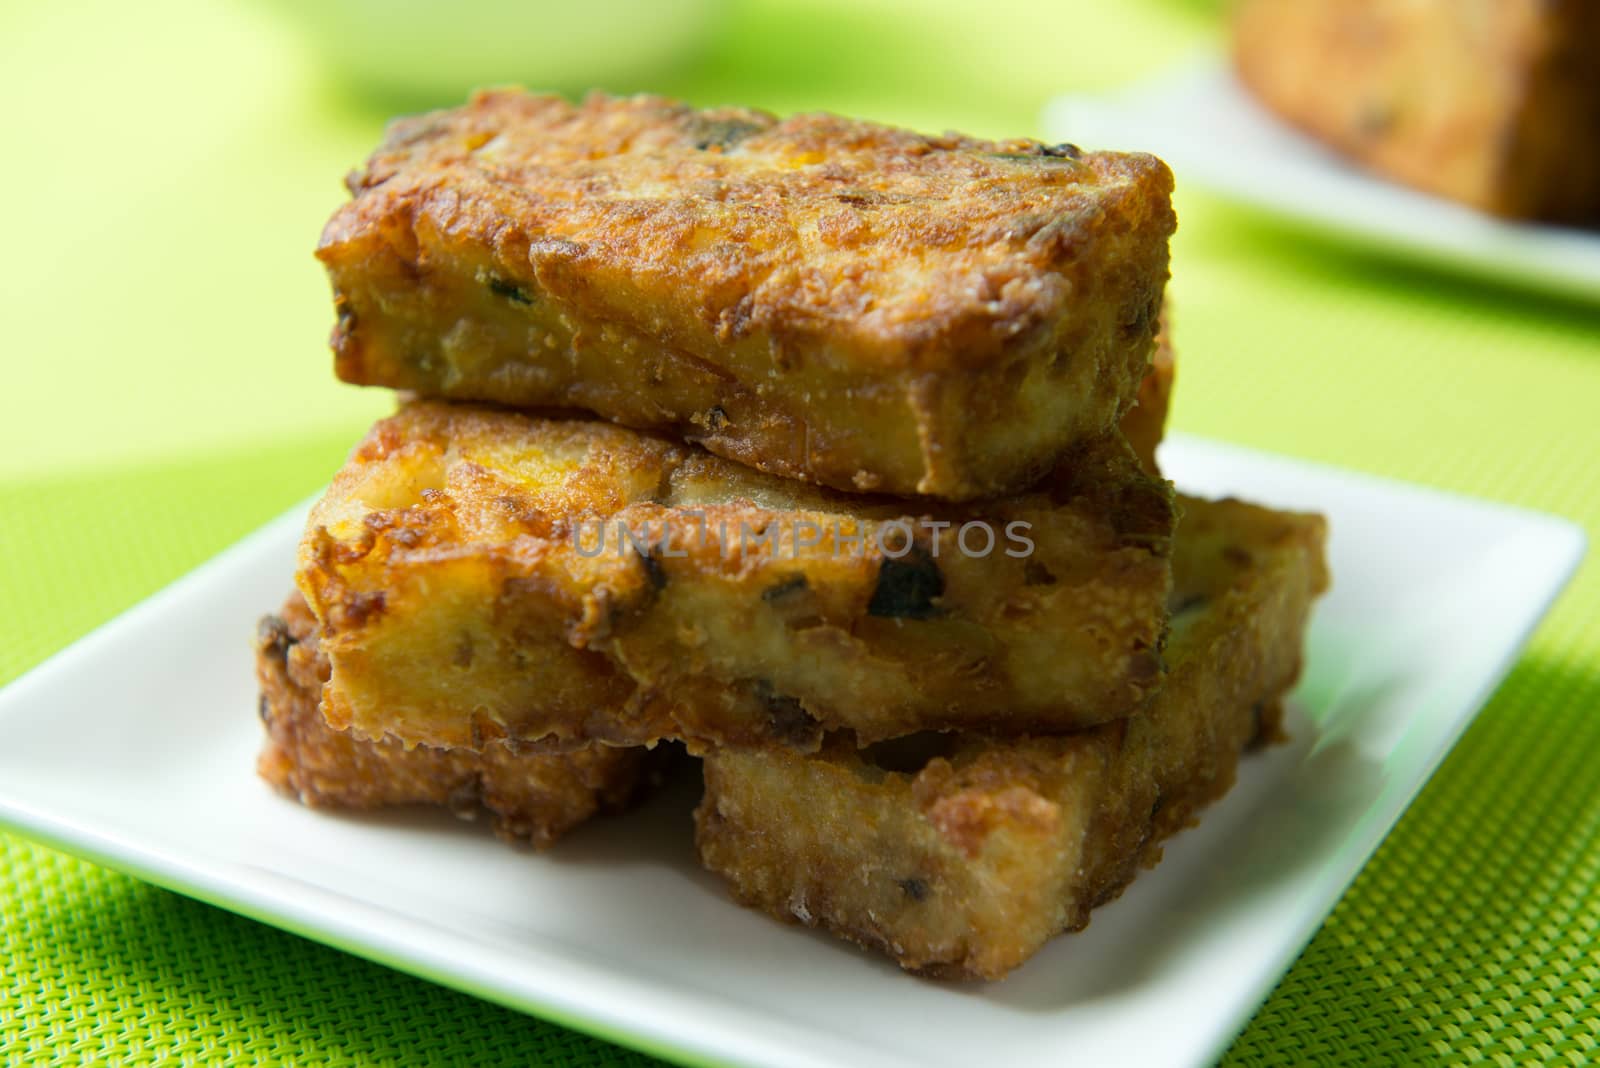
(961, 855)
(531, 797)
(481, 574)
(824, 299)
(1496, 105)
(1145, 424)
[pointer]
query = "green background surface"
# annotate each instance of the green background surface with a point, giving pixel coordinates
(167, 389)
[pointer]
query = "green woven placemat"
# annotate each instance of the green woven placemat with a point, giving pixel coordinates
(155, 319)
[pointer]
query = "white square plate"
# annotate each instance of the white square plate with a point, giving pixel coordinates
(1211, 131)
(134, 748)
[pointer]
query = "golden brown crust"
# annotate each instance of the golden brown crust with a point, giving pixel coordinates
(457, 569)
(1145, 425)
(1496, 105)
(532, 797)
(825, 299)
(962, 859)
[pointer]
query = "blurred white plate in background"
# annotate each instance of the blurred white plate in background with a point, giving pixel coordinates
(1213, 133)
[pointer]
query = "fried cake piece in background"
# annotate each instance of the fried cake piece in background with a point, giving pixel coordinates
(1145, 425)
(1496, 104)
(964, 860)
(457, 569)
(824, 299)
(532, 797)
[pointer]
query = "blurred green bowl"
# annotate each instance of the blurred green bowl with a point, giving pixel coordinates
(435, 53)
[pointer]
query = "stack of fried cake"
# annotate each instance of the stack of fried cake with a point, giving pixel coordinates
(822, 448)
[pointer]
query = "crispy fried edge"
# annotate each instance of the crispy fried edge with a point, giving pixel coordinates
(528, 797)
(1145, 424)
